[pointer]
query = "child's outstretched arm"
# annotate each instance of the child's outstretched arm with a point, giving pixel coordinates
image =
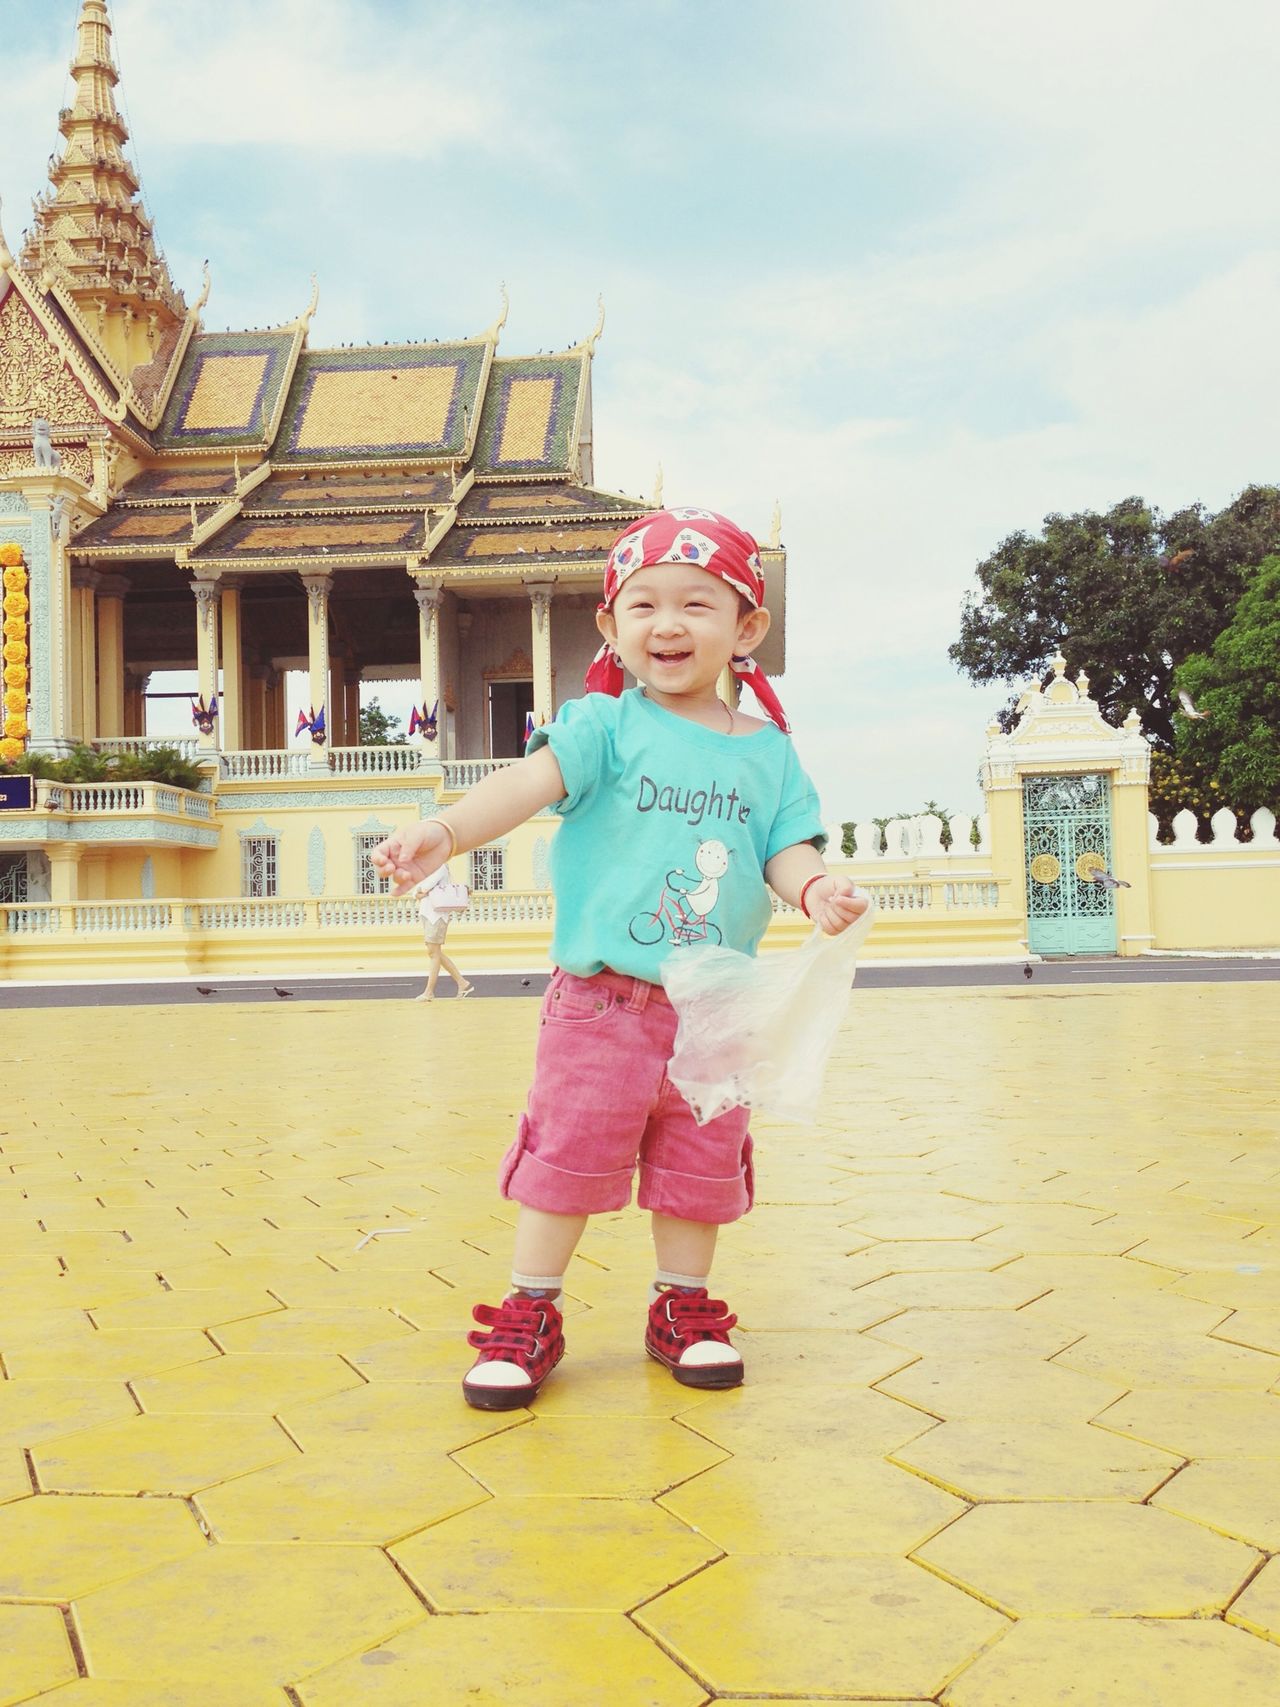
(499, 802)
(829, 900)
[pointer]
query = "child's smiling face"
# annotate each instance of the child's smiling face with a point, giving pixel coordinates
(675, 627)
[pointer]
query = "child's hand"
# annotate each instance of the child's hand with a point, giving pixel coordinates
(832, 904)
(412, 854)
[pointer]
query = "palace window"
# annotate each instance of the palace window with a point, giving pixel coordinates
(367, 880)
(258, 867)
(486, 868)
(13, 877)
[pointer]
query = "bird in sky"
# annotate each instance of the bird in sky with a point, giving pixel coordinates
(1104, 880)
(1185, 701)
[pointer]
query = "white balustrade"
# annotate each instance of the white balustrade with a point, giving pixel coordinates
(91, 917)
(466, 773)
(187, 746)
(247, 915)
(1263, 825)
(379, 761)
(248, 766)
(28, 920)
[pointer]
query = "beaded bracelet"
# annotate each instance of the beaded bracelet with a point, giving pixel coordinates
(816, 878)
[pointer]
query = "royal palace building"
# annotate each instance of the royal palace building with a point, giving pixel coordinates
(242, 505)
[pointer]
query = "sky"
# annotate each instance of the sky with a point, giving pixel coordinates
(922, 272)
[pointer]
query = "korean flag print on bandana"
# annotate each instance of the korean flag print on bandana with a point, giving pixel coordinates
(694, 515)
(690, 546)
(628, 555)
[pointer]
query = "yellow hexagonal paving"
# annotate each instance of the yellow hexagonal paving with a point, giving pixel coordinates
(564, 1554)
(263, 1616)
(1258, 1608)
(842, 1626)
(994, 1458)
(159, 1455)
(362, 1492)
(54, 1548)
(1238, 1496)
(1122, 1662)
(37, 1652)
(758, 1541)
(780, 1506)
(589, 1458)
(503, 1659)
(1091, 1560)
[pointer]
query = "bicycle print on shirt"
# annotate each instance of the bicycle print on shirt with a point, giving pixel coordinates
(684, 906)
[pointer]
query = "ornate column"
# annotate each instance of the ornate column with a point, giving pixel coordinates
(207, 599)
(543, 688)
(231, 705)
(254, 698)
(111, 710)
(318, 588)
(352, 694)
(50, 498)
(339, 730)
(274, 734)
(429, 596)
(64, 871)
(84, 658)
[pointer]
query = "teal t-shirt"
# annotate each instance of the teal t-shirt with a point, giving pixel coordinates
(667, 828)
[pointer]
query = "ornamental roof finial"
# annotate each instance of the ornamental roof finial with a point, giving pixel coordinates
(6, 254)
(205, 288)
(1059, 664)
(589, 343)
(775, 526)
(657, 489)
(304, 319)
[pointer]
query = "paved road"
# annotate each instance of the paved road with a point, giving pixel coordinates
(1156, 970)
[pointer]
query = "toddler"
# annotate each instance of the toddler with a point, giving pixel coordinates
(677, 809)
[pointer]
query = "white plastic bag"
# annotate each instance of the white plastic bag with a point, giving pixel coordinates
(757, 1033)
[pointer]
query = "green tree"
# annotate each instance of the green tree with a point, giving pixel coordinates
(1128, 595)
(378, 728)
(1235, 685)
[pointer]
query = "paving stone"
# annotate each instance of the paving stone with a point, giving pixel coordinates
(503, 1659)
(1098, 1559)
(1257, 1328)
(1239, 1496)
(53, 1548)
(1171, 1360)
(299, 1331)
(978, 1334)
(205, 1309)
(264, 1617)
(15, 1478)
(1198, 1423)
(596, 1458)
(402, 1414)
(1258, 1608)
(159, 1455)
(361, 1493)
(842, 1626)
(997, 1458)
(768, 1422)
(1008, 1387)
(246, 1385)
(561, 1554)
(37, 1653)
(107, 1357)
(860, 1505)
(135, 1692)
(1114, 1662)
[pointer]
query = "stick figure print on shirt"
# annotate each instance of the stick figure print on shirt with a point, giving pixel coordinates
(685, 902)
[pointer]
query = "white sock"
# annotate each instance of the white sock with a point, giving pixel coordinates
(548, 1286)
(665, 1279)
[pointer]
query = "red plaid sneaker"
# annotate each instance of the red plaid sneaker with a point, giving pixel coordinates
(689, 1332)
(524, 1346)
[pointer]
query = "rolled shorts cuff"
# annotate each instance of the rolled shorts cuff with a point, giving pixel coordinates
(691, 1197)
(526, 1178)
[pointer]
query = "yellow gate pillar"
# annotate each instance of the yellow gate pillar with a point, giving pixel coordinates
(231, 709)
(64, 872)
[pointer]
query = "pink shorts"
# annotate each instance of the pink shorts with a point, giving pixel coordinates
(601, 1101)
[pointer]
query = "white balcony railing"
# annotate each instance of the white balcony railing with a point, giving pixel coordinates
(187, 745)
(113, 799)
(330, 916)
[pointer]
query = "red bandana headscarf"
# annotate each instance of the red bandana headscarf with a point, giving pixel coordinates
(713, 543)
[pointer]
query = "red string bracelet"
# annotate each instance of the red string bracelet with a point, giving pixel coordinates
(816, 878)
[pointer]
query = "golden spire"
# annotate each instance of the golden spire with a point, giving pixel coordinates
(91, 232)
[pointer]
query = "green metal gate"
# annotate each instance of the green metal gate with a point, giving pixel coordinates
(1067, 830)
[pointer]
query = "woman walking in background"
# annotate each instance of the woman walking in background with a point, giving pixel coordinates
(435, 926)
